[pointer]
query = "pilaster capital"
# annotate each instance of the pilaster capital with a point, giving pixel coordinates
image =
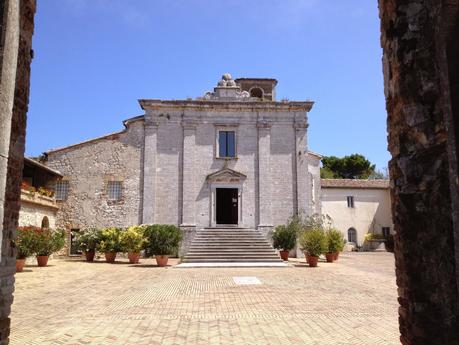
(263, 124)
(151, 127)
(300, 126)
(189, 125)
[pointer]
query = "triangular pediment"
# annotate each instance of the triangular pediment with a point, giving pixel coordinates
(226, 175)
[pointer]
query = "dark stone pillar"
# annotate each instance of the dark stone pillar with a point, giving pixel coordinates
(17, 19)
(422, 170)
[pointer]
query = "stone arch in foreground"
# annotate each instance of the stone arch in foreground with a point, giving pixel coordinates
(421, 64)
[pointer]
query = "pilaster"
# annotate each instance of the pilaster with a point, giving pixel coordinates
(149, 173)
(188, 175)
(264, 175)
(302, 190)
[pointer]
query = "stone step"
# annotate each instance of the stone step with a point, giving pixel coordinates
(229, 236)
(232, 260)
(231, 254)
(227, 244)
(242, 248)
(213, 239)
(231, 250)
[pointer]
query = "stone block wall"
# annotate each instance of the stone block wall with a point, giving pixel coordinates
(88, 167)
(33, 214)
(266, 155)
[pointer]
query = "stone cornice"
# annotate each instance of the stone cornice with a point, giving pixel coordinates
(211, 105)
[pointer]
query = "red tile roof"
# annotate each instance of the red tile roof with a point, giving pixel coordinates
(349, 183)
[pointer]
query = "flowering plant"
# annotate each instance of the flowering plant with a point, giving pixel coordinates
(47, 241)
(132, 239)
(24, 241)
(110, 240)
(88, 240)
(28, 187)
(46, 192)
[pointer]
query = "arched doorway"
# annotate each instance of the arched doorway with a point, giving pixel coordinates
(352, 235)
(45, 223)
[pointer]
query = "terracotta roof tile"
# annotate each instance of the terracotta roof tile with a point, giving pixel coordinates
(349, 183)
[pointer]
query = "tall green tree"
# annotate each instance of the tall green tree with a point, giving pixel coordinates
(355, 166)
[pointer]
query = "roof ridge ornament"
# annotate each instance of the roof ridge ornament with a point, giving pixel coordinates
(226, 89)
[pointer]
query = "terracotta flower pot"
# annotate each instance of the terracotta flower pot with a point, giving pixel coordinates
(335, 255)
(90, 256)
(284, 254)
(42, 260)
(110, 257)
(20, 264)
(161, 260)
(312, 260)
(134, 258)
(330, 257)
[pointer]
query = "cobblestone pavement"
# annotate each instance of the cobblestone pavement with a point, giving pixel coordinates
(352, 301)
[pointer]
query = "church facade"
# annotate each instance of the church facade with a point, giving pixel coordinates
(235, 157)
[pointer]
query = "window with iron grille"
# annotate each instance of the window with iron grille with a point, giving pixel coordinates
(61, 190)
(114, 190)
(350, 201)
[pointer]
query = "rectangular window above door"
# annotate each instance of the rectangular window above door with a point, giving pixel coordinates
(226, 144)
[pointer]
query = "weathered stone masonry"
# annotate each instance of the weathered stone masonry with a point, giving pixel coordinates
(421, 60)
(16, 29)
(89, 166)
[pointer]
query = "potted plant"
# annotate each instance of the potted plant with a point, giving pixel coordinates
(132, 241)
(47, 242)
(284, 239)
(335, 244)
(109, 243)
(24, 244)
(162, 240)
(87, 241)
(313, 243)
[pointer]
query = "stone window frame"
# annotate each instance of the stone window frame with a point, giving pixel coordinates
(226, 128)
(213, 202)
(107, 180)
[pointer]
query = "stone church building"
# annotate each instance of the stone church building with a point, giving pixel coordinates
(235, 157)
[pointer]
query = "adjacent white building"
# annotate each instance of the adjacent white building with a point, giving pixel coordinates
(358, 207)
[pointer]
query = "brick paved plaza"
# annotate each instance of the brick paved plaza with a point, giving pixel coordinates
(72, 302)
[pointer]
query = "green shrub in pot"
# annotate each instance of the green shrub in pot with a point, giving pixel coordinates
(162, 240)
(284, 239)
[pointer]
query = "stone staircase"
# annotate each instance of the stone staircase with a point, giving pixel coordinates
(230, 245)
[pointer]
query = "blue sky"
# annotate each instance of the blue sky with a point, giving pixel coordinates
(95, 58)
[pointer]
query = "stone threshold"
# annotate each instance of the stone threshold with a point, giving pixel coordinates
(230, 264)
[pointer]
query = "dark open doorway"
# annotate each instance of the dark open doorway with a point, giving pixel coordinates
(227, 206)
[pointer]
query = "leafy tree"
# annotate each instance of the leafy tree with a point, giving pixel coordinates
(355, 166)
